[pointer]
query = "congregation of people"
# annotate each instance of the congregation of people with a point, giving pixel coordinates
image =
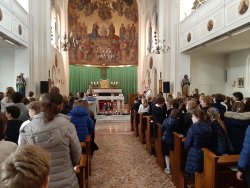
(40, 138)
(216, 122)
(49, 130)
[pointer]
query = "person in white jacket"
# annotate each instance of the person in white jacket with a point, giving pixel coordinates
(54, 132)
(144, 107)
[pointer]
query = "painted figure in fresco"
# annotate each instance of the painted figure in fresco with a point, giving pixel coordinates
(128, 32)
(94, 33)
(103, 31)
(81, 4)
(133, 31)
(83, 30)
(89, 34)
(87, 49)
(118, 6)
(122, 32)
(90, 8)
(185, 84)
(133, 50)
(20, 84)
(111, 30)
(128, 2)
(124, 50)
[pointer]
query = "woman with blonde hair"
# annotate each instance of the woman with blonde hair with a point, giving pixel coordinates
(144, 107)
(7, 101)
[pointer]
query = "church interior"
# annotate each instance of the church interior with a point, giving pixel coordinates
(117, 51)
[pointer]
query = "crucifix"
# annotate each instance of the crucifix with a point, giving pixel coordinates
(103, 71)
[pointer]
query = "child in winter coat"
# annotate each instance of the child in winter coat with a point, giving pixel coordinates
(170, 125)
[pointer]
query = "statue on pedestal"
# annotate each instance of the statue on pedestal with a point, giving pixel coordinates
(20, 84)
(185, 84)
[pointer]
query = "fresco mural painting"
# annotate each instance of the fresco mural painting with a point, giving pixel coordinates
(106, 32)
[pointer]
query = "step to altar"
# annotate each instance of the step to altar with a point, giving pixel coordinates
(113, 118)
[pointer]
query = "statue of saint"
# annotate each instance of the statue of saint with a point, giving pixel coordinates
(20, 84)
(185, 83)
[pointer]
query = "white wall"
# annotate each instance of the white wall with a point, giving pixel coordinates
(22, 66)
(24, 4)
(236, 68)
(208, 73)
(7, 64)
(184, 69)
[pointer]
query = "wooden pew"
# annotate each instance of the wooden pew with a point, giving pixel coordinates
(136, 122)
(86, 149)
(131, 120)
(178, 158)
(150, 145)
(216, 173)
(160, 158)
(81, 170)
(142, 128)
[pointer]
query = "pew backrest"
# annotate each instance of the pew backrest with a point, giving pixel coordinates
(217, 171)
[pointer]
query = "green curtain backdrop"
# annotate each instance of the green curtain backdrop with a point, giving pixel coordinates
(80, 78)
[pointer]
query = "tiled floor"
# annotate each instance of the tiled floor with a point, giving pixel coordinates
(122, 161)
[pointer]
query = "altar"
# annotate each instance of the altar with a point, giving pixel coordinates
(113, 95)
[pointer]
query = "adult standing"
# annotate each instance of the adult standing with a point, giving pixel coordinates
(54, 131)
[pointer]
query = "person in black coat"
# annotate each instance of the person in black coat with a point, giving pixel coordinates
(186, 120)
(169, 125)
(236, 123)
(159, 111)
(199, 135)
(222, 145)
(218, 98)
(13, 124)
(136, 105)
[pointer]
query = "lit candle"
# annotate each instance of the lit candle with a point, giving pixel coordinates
(94, 83)
(91, 83)
(97, 83)
(116, 83)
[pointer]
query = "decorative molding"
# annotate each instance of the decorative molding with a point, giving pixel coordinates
(212, 20)
(20, 29)
(1, 15)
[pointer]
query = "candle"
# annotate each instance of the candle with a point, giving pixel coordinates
(91, 83)
(94, 83)
(116, 83)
